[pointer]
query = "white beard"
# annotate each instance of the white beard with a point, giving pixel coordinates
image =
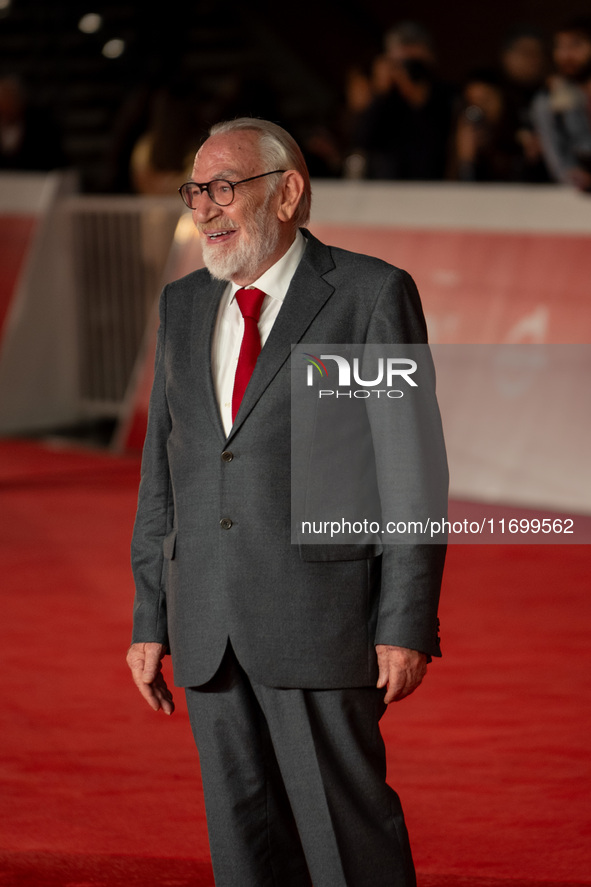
(246, 257)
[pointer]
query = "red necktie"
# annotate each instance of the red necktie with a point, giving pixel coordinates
(250, 302)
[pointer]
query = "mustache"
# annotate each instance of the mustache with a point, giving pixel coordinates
(220, 225)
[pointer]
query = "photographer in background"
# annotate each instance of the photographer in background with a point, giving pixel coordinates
(524, 62)
(404, 132)
(487, 147)
(562, 112)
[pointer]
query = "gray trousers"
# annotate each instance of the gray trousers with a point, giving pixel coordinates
(295, 785)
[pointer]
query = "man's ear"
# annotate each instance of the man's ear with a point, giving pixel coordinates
(292, 188)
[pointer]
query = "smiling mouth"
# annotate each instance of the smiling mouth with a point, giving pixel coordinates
(219, 236)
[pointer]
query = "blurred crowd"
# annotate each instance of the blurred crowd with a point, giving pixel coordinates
(526, 118)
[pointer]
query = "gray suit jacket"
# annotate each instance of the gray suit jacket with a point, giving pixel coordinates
(212, 554)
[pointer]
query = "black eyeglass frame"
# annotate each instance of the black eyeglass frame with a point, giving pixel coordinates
(204, 186)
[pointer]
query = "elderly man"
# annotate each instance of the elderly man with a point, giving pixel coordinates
(289, 654)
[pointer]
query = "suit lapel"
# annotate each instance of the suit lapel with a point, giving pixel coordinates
(205, 311)
(305, 297)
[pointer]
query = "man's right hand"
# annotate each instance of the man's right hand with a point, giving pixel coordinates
(145, 661)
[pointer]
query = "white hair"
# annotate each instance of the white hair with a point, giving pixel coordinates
(279, 150)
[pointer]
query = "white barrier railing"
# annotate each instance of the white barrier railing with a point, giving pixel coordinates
(79, 310)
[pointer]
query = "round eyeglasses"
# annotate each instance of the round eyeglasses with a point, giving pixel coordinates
(220, 190)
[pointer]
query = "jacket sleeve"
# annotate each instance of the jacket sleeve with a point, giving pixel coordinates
(155, 512)
(411, 466)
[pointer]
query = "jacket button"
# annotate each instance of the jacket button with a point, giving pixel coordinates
(227, 456)
(225, 523)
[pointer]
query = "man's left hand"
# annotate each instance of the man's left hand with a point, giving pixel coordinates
(401, 671)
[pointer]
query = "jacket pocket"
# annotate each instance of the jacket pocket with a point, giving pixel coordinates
(340, 552)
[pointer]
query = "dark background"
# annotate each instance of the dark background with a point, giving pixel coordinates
(288, 62)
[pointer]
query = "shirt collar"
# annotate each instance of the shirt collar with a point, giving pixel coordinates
(276, 280)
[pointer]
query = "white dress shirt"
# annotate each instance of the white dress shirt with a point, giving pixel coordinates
(229, 328)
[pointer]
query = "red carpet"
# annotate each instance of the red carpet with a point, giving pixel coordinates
(491, 756)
